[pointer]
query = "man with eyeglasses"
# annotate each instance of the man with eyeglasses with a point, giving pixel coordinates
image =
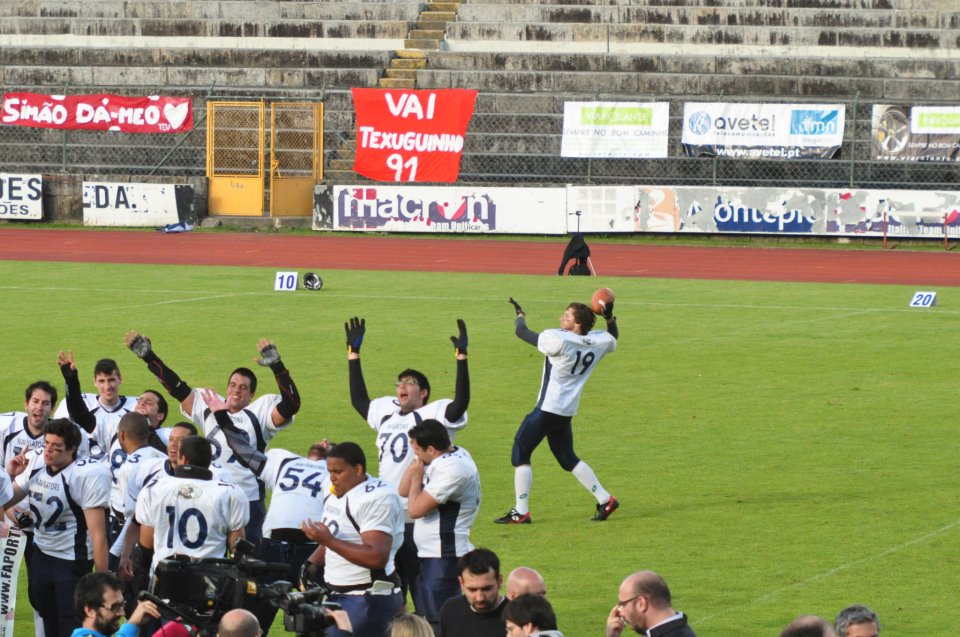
(99, 607)
(644, 605)
(393, 416)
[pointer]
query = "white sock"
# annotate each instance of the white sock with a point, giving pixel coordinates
(37, 624)
(588, 479)
(522, 481)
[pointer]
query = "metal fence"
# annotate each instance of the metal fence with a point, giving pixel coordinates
(519, 144)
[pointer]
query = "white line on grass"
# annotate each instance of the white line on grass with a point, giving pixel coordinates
(825, 574)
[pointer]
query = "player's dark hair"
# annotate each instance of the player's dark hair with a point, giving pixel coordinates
(349, 452)
(162, 406)
(106, 366)
(135, 425)
(530, 608)
(90, 590)
(318, 451)
(189, 426)
(420, 378)
(430, 433)
(42, 385)
(583, 315)
(479, 561)
(247, 373)
(65, 429)
(197, 450)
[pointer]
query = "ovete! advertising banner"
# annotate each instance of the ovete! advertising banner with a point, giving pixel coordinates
(448, 209)
(154, 114)
(635, 130)
(915, 133)
(762, 131)
(411, 136)
(21, 196)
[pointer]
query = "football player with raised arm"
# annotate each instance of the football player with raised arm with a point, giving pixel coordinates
(571, 353)
(68, 501)
(393, 416)
(442, 487)
(259, 419)
(361, 531)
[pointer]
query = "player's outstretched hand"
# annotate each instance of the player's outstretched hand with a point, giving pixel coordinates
(355, 328)
(607, 310)
(138, 344)
(268, 353)
(516, 306)
(460, 342)
(212, 399)
(66, 358)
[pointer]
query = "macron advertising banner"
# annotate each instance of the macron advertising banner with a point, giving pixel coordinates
(634, 130)
(155, 114)
(449, 209)
(915, 133)
(21, 197)
(411, 136)
(134, 204)
(762, 131)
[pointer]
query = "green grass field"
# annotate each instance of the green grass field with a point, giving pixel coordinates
(777, 448)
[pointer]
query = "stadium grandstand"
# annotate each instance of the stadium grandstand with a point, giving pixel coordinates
(526, 58)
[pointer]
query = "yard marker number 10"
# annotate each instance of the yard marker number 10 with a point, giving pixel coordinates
(923, 299)
(285, 281)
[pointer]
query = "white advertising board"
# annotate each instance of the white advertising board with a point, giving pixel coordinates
(134, 204)
(21, 197)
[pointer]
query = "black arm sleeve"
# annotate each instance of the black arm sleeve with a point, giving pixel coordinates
(79, 413)
(289, 396)
(246, 454)
(525, 333)
(167, 377)
(461, 399)
(155, 441)
(613, 329)
(358, 388)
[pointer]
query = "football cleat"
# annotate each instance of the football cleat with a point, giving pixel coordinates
(606, 509)
(514, 517)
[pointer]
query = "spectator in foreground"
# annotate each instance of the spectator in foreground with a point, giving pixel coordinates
(99, 607)
(857, 621)
(645, 606)
(530, 615)
(808, 626)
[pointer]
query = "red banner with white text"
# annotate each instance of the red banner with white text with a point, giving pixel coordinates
(411, 136)
(154, 114)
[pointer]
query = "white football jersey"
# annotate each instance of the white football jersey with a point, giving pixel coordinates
(372, 505)
(570, 359)
(108, 418)
(57, 501)
(6, 488)
(15, 435)
(255, 420)
(297, 486)
(453, 481)
(391, 426)
(191, 516)
(131, 477)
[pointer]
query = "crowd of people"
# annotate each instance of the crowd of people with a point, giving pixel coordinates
(109, 498)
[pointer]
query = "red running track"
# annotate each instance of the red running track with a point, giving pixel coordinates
(366, 252)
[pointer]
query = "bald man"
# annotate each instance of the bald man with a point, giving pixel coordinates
(238, 623)
(644, 605)
(808, 626)
(525, 580)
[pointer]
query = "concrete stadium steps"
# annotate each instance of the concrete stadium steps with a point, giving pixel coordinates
(108, 27)
(691, 75)
(214, 9)
(708, 15)
(502, 35)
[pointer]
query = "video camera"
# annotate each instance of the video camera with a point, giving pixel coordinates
(201, 591)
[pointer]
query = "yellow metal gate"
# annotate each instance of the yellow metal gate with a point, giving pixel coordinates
(236, 157)
(296, 157)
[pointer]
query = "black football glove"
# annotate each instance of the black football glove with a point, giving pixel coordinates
(355, 329)
(268, 356)
(460, 342)
(516, 306)
(141, 346)
(607, 310)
